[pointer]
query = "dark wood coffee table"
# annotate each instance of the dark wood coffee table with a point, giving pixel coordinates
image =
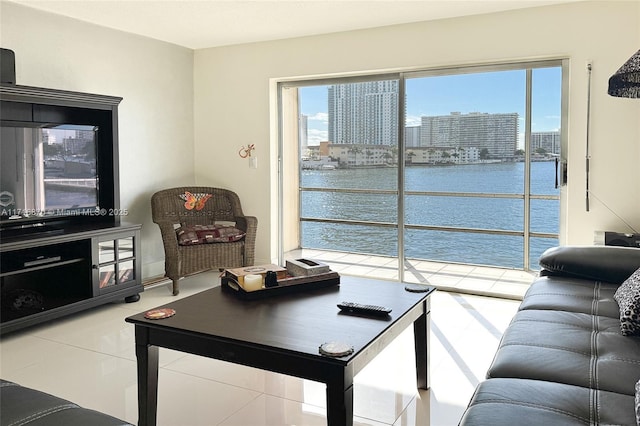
(283, 334)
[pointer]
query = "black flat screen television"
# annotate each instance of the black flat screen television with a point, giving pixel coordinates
(56, 169)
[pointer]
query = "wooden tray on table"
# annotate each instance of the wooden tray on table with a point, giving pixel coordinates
(286, 285)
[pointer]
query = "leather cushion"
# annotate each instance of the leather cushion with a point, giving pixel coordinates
(572, 295)
(21, 405)
(569, 347)
(499, 402)
(599, 263)
(568, 331)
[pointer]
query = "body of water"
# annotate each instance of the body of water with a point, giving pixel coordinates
(463, 212)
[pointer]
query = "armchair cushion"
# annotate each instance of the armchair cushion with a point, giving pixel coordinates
(205, 234)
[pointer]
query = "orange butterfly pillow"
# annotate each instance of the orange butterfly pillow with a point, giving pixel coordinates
(196, 201)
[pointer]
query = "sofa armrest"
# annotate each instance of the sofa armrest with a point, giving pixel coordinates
(601, 263)
(21, 405)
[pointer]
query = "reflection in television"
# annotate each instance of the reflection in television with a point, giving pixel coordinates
(48, 170)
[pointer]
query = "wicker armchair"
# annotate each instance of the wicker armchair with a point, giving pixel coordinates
(171, 208)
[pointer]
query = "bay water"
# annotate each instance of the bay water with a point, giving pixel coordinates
(493, 213)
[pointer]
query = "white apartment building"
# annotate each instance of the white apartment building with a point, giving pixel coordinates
(360, 155)
(498, 133)
(441, 155)
(549, 141)
(348, 155)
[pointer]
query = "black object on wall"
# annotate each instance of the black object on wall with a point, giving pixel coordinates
(7, 66)
(620, 239)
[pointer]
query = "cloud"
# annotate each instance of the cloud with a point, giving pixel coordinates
(319, 116)
(315, 136)
(413, 120)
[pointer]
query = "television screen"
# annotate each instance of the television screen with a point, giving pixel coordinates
(48, 171)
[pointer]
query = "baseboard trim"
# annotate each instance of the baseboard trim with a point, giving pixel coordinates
(155, 281)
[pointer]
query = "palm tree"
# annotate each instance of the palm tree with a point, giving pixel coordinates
(355, 150)
(484, 153)
(369, 154)
(394, 154)
(387, 156)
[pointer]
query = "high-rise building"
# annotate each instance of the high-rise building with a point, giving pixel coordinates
(498, 133)
(303, 136)
(364, 113)
(548, 141)
(412, 136)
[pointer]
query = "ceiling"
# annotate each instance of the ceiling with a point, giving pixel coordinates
(197, 24)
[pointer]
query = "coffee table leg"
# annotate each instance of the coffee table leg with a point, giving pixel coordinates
(147, 357)
(421, 328)
(340, 402)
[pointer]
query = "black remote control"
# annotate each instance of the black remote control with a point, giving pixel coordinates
(357, 308)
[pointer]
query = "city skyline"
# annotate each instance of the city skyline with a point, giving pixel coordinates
(495, 92)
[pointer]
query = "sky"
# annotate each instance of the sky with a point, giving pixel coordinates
(493, 92)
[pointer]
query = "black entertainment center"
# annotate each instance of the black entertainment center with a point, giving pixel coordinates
(63, 247)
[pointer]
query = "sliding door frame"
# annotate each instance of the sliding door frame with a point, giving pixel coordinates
(402, 77)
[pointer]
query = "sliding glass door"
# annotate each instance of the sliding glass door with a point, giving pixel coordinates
(481, 153)
(347, 165)
(454, 165)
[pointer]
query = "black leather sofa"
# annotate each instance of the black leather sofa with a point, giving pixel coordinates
(24, 406)
(563, 360)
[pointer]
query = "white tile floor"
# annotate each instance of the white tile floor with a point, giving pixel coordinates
(461, 278)
(89, 359)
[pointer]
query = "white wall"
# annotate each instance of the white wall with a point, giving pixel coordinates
(234, 98)
(155, 117)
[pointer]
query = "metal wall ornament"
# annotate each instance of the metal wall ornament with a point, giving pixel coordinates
(625, 83)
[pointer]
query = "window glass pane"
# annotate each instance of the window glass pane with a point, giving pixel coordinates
(466, 119)
(488, 213)
(351, 238)
(348, 140)
(125, 271)
(349, 206)
(545, 112)
(466, 137)
(506, 178)
(537, 247)
(106, 250)
(107, 276)
(458, 247)
(545, 153)
(465, 133)
(125, 248)
(545, 216)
